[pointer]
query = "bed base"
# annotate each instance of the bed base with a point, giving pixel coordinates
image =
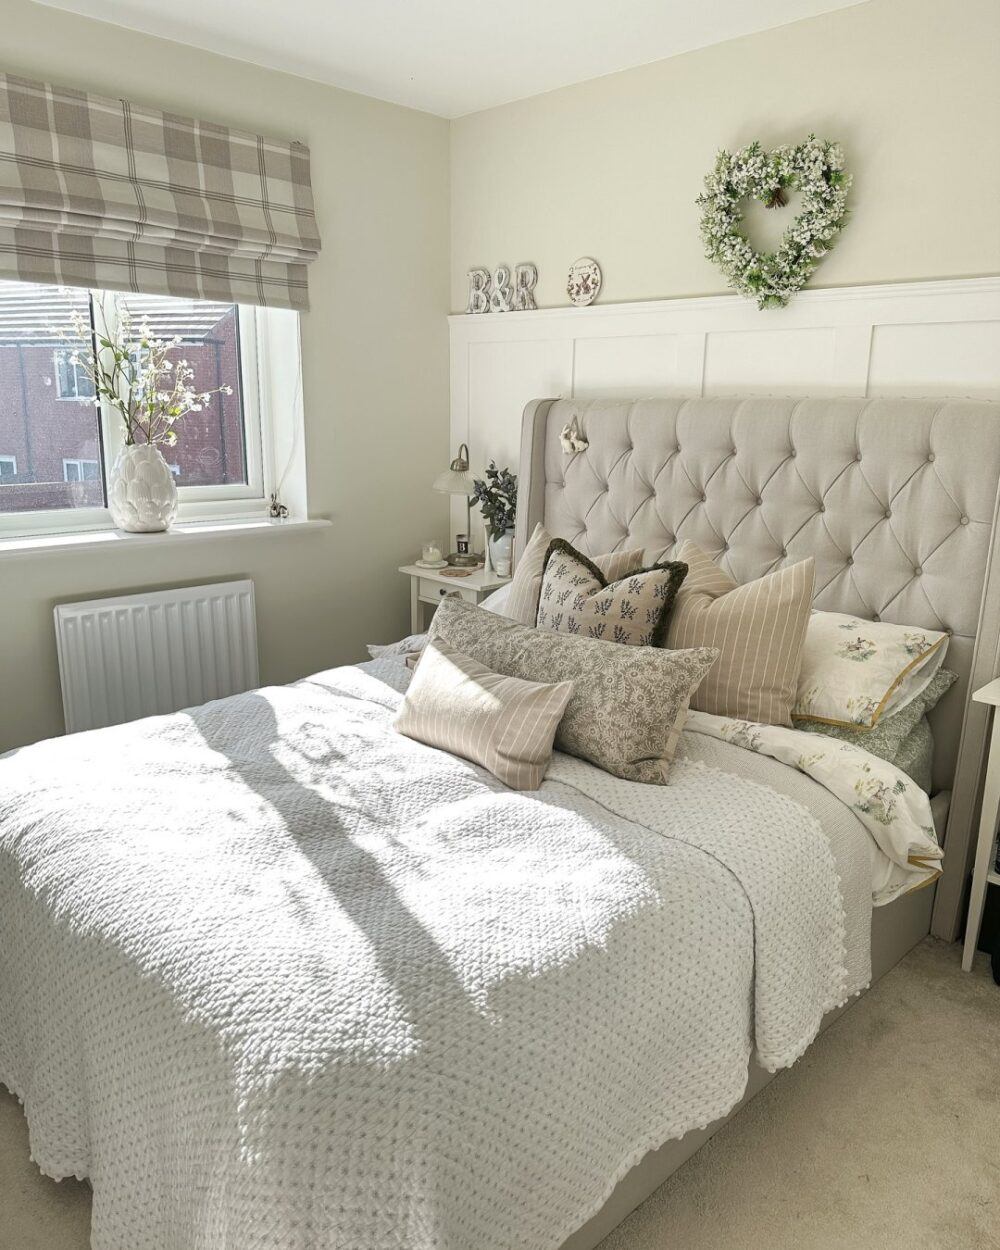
(896, 929)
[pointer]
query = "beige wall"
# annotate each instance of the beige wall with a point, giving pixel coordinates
(375, 366)
(611, 168)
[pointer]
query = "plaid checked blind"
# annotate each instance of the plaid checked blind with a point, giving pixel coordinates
(101, 193)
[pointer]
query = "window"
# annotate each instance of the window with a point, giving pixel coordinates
(72, 381)
(81, 471)
(59, 443)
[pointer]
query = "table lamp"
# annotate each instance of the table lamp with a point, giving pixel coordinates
(457, 480)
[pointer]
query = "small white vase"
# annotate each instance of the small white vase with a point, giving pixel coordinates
(142, 494)
(501, 548)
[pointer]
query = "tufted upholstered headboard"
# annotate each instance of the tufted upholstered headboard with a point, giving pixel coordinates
(895, 498)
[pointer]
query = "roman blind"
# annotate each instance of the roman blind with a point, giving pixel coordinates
(101, 193)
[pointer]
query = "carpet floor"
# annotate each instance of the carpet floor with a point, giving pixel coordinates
(885, 1135)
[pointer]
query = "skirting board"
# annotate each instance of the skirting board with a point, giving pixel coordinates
(896, 929)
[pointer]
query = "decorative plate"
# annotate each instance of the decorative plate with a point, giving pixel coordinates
(584, 283)
(431, 564)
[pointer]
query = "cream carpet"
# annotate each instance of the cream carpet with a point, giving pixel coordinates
(885, 1135)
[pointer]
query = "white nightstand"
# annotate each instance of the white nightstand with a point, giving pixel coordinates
(428, 587)
(985, 870)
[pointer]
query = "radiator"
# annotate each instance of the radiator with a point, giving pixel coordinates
(140, 655)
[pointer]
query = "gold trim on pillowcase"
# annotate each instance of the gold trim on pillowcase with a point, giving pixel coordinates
(922, 885)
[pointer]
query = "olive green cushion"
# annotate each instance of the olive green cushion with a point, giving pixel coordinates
(905, 738)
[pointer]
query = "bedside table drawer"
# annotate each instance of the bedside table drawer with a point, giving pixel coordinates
(426, 592)
(434, 592)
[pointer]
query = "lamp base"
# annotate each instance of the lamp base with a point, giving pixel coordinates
(461, 560)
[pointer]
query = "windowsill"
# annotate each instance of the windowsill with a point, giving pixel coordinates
(178, 536)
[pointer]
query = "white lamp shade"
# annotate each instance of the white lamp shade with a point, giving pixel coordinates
(452, 483)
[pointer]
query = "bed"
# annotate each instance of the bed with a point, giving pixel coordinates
(275, 975)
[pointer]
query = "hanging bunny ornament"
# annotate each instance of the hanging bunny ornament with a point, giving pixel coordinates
(571, 438)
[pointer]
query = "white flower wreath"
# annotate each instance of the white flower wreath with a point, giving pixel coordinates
(816, 168)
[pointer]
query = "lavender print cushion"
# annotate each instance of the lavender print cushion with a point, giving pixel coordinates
(576, 598)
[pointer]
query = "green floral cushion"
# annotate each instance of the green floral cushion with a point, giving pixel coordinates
(628, 705)
(904, 739)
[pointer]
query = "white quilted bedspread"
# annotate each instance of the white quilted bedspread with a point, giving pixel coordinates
(274, 976)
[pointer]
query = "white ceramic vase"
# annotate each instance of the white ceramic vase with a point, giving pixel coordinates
(501, 549)
(142, 494)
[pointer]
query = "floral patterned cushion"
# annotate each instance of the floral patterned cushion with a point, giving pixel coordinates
(577, 598)
(904, 738)
(854, 671)
(628, 705)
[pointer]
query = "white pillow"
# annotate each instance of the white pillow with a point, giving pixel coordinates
(497, 601)
(414, 644)
(390, 650)
(854, 671)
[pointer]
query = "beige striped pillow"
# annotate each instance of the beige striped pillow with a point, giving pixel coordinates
(758, 629)
(505, 724)
(526, 584)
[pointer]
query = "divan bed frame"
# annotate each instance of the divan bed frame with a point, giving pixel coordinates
(897, 501)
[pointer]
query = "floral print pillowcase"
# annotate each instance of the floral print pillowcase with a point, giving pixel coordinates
(895, 811)
(854, 671)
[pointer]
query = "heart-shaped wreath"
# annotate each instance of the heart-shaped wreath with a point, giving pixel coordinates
(816, 169)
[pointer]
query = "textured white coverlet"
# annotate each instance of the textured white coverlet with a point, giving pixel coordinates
(275, 975)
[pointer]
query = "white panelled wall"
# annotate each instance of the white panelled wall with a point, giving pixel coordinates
(925, 338)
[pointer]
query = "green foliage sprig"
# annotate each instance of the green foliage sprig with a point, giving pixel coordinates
(497, 499)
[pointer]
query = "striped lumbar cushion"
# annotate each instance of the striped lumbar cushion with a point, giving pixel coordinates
(503, 723)
(758, 630)
(526, 584)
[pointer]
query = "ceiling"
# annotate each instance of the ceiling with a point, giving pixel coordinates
(450, 57)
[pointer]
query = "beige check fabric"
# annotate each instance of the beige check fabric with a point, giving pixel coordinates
(526, 585)
(758, 628)
(101, 193)
(505, 724)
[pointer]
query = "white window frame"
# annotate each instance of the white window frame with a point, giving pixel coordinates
(4, 459)
(80, 461)
(67, 351)
(272, 418)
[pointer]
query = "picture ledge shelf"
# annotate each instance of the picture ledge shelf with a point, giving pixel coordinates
(174, 539)
(932, 289)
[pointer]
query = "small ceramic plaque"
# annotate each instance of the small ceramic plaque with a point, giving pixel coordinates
(584, 281)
